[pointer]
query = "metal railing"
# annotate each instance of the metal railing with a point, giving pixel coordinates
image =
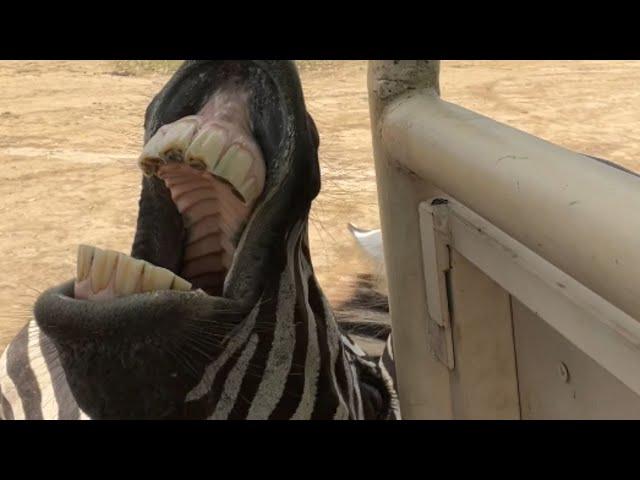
(488, 230)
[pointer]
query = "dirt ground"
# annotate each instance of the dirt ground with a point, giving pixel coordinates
(70, 132)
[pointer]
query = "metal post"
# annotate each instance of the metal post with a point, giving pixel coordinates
(423, 381)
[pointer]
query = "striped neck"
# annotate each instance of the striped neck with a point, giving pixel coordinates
(288, 358)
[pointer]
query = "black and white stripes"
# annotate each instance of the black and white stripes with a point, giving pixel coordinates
(33, 385)
(295, 365)
(286, 360)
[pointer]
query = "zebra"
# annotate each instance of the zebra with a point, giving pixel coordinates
(268, 347)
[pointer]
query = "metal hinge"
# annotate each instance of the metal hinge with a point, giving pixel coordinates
(436, 238)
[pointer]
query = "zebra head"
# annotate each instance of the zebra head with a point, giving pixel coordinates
(254, 336)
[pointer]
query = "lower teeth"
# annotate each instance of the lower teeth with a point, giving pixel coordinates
(105, 274)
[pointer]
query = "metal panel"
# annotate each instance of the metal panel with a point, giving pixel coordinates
(484, 384)
(558, 381)
(598, 328)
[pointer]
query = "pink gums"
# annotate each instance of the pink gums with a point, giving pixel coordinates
(212, 215)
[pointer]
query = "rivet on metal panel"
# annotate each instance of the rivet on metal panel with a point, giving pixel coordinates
(563, 371)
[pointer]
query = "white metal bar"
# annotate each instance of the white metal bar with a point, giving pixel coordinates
(578, 213)
(423, 381)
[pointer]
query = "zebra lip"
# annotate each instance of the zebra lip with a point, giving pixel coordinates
(122, 356)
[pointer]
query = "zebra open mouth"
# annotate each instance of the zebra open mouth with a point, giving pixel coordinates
(214, 172)
(215, 147)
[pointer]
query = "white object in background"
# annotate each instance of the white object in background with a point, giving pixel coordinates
(370, 243)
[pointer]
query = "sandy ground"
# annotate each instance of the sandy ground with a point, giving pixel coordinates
(70, 133)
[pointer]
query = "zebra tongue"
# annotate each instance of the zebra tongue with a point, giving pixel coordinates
(106, 274)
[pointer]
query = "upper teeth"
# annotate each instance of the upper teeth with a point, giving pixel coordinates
(177, 139)
(207, 147)
(104, 269)
(169, 143)
(235, 166)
